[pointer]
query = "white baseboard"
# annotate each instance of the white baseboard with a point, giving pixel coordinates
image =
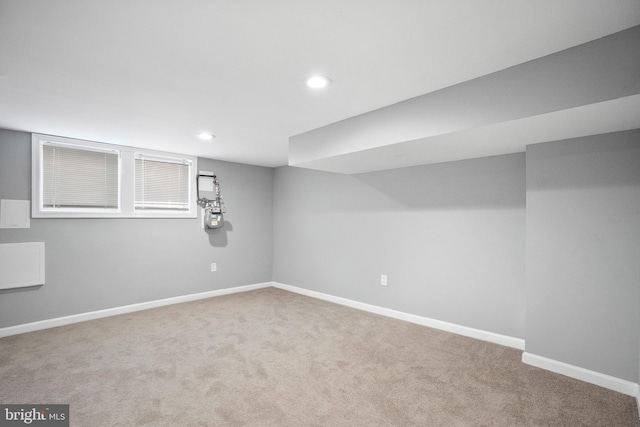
(638, 398)
(603, 380)
(505, 340)
(76, 318)
(607, 381)
(592, 377)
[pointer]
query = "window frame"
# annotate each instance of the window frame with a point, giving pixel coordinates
(126, 181)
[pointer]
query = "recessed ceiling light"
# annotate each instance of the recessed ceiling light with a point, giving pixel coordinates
(318, 82)
(206, 136)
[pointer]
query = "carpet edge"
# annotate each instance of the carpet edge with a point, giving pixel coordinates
(492, 337)
(603, 380)
(108, 312)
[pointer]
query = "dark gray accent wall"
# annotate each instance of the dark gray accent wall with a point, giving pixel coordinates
(583, 252)
(94, 264)
(450, 237)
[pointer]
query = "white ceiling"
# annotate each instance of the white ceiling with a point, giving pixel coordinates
(155, 73)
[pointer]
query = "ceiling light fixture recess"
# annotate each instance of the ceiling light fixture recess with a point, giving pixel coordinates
(206, 136)
(318, 81)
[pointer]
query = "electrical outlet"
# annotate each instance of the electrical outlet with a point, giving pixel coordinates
(383, 279)
(214, 267)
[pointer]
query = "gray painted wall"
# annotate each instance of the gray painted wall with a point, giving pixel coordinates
(583, 252)
(449, 236)
(94, 264)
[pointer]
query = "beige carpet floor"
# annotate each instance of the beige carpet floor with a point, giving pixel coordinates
(273, 358)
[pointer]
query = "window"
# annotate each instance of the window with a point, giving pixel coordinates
(161, 183)
(74, 178)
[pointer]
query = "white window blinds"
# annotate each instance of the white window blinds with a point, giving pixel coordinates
(73, 178)
(161, 184)
(79, 178)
